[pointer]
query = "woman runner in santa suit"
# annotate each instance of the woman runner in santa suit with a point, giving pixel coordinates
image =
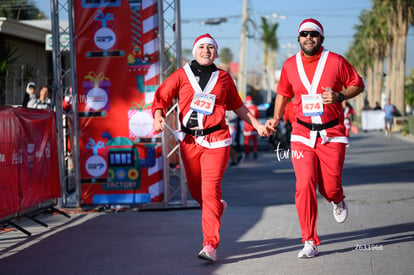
(318, 80)
(204, 93)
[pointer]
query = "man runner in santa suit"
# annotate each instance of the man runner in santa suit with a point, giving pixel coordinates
(318, 80)
(204, 93)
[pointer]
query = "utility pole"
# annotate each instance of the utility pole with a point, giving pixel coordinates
(242, 76)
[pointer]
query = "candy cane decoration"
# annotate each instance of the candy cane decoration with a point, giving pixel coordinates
(146, 66)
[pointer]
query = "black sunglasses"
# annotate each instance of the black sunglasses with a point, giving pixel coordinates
(311, 33)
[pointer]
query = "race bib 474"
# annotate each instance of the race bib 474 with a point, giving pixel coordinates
(312, 105)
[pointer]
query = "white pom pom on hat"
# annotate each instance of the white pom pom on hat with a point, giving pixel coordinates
(311, 24)
(205, 38)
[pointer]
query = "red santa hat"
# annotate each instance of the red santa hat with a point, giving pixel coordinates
(249, 101)
(311, 24)
(205, 38)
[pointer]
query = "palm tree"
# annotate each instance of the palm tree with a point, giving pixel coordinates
(383, 36)
(356, 56)
(388, 47)
(270, 46)
(377, 33)
(368, 39)
(362, 62)
(402, 16)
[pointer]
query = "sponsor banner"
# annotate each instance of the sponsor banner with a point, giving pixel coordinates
(29, 170)
(117, 56)
(10, 158)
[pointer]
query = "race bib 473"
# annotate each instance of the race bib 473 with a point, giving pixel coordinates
(203, 103)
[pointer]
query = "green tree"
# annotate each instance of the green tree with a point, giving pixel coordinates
(270, 46)
(382, 38)
(362, 62)
(7, 56)
(16, 10)
(409, 89)
(376, 38)
(20, 10)
(401, 17)
(226, 56)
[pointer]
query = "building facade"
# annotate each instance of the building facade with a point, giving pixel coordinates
(29, 60)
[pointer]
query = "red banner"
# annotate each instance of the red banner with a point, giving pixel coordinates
(118, 73)
(29, 170)
(9, 158)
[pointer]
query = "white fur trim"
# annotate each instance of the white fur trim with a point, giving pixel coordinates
(203, 41)
(312, 26)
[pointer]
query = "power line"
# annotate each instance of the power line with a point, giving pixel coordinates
(210, 20)
(29, 6)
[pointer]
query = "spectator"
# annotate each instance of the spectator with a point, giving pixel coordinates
(45, 99)
(377, 106)
(29, 98)
(389, 110)
(366, 105)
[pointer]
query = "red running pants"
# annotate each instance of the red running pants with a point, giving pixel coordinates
(247, 140)
(204, 168)
(320, 166)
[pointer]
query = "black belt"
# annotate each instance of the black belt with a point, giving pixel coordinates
(319, 127)
(200, 132)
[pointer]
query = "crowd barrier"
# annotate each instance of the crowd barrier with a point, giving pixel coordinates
(372, 120)
(29, 169)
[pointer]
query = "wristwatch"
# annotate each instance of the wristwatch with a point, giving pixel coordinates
(341, 97)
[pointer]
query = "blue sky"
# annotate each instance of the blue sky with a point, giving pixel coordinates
(338, 18)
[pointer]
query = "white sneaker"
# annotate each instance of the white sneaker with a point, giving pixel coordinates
(224, 203)
(208, 253)
(340, 211)
(309, 250)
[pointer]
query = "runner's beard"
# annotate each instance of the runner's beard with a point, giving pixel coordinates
(312, 51)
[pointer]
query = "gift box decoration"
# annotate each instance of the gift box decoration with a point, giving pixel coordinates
(140, 120)
(96, 91)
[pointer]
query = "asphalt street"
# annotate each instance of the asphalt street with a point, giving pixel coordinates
(260, 231)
